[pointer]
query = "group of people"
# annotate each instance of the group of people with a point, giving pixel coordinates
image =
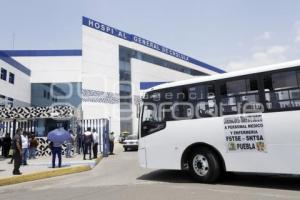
(88, 141)
(22, 147)
(29, 146)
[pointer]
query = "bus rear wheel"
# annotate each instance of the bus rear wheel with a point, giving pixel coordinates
(204, 165)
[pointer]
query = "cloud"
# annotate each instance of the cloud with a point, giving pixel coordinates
(264, 36)
(270, 55)
(264, 51)
(297, 28)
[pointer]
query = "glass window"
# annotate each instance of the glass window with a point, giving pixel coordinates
(166, 112)
(240, 96)
(201, 92)
(282, 90)
(298, 77)
(3, 74)
(239, 87)
(284, 80)
(203, 99)
(150, 113)
(11, 78)
(205, 108)
(10, 101)
(125, 87)
(2, 100)
(70, 93)
(294, 94)
(236, 87)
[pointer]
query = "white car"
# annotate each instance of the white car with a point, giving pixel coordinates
(131, 142)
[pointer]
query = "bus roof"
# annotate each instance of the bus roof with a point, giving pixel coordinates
(267, 68)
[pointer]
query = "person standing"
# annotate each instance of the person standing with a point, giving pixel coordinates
(1, 146)
(69, 145)
(56, 151)
(87, 140)
(6, 143)
(33, 144)
(2, 135)
(111, 143)
(17, 145)
(25, 148)
(95, 144)
(56, 144)
(79, 142)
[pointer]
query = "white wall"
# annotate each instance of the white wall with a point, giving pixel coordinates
(53, 69)
(20, 90)
(100, 72)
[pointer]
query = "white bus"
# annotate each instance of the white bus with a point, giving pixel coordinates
(244, 121)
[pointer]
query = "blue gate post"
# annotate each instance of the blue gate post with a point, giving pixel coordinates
(107, 133)
(105, 138)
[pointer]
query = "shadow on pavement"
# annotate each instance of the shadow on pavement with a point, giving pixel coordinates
(2, 159)
(170, 176)
(283, 182)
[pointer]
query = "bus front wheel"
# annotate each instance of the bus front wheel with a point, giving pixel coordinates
(204, 165)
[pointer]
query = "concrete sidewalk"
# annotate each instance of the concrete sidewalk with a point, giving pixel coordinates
(41, 168)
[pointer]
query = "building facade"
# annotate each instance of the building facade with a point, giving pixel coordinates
(14, 82)
(105, 77)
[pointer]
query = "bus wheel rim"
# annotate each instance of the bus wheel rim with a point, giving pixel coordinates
(200, 165)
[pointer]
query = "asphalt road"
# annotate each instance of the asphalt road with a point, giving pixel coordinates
(120, 177)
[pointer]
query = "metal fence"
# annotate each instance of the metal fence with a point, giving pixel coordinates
(101, 126)
(27, 126)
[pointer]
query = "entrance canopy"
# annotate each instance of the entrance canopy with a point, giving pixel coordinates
(27, 113)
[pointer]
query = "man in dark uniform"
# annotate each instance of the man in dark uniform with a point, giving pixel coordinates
(17, 145)
(111, 143)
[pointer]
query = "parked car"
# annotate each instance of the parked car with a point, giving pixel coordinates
(131, 142)
(123, 136)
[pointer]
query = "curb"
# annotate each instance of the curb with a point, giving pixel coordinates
(98, 160)
(43, 175)
(47, 174)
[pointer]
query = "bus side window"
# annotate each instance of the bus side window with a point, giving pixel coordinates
(240, 96)
(203, 99)
(282, 90)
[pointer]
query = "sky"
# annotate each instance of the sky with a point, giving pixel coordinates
(229, 34)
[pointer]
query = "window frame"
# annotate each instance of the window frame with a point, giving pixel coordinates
(3, 76)
(249, 77)
(259, 77)
(11, 78)
(296, 69)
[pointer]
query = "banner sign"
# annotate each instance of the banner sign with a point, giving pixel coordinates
(147, 43)
(244, 133)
